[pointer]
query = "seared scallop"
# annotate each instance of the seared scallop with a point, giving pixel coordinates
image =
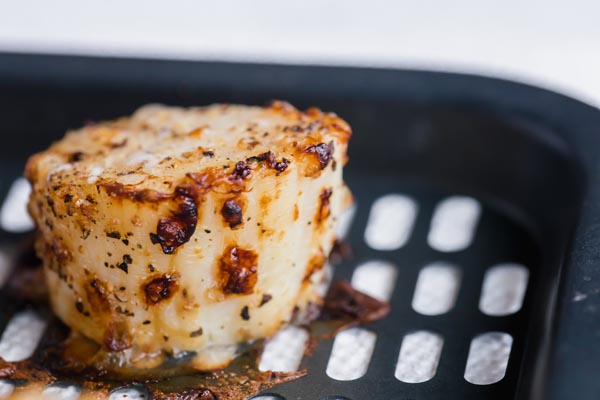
(189, 229)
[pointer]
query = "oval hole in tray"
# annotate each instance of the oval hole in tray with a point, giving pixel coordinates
(453, 224)
(488, 358)
(436, 289)
(390, 222)
(419, 357)
(504, 287)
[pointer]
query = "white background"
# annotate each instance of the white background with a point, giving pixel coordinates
(554, 44)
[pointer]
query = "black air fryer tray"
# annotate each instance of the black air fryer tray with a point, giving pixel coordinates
(531, 157)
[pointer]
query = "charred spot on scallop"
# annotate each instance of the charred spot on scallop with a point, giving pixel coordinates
(76, 156)
(160, 288)
(238, 270)
(173, 231)
(97, 295)
(271, 161)
(232, 212)
(323, 152)
(61, 252)
(316, 263)
(324, 209)
(121, 191)
(241, 170)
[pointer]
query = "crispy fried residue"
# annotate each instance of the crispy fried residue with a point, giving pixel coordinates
(66, 356)
(345, 302)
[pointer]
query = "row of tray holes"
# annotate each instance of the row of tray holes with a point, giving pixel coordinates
(502, 294)
(420, 352)
(392, 218)
(436, 289)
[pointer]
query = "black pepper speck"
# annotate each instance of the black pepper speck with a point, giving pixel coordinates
(245, 314)
(196, 333)
(79, 306)
(265, 299)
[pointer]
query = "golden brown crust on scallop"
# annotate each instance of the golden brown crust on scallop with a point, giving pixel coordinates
(154, 225)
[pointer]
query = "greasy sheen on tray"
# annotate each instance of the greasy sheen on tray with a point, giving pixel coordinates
(189, 229)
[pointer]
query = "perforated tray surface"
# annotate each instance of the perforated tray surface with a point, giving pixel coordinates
(448, 302)
(475, 217)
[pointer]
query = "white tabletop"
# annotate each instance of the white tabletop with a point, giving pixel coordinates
(555, 44)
